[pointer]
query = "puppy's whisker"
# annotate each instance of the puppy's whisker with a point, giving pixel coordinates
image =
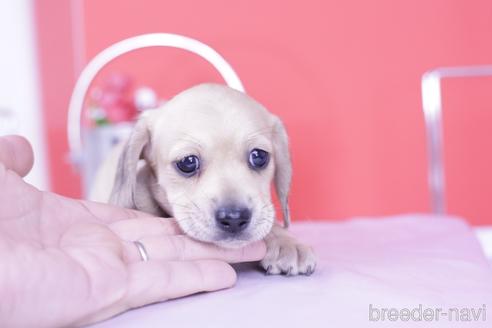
(181, 205)
(195, 205)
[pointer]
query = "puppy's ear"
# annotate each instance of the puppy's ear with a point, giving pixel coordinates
(125, 183)
(283, 168)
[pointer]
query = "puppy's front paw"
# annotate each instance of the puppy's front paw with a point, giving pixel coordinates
(287, 256)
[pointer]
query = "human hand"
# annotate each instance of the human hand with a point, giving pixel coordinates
(67, 262)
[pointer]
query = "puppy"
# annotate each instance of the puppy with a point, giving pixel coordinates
(208, 158)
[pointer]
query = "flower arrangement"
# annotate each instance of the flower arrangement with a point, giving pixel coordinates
(117, 101)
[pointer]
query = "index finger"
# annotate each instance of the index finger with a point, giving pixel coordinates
(132, 229)
(16, 154)
(108, 213)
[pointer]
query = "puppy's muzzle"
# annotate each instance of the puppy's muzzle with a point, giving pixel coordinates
(233, 219)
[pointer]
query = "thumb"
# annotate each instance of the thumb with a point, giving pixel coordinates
(16, 154)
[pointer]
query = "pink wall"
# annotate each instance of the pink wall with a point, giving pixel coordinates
(343, 75)
(57, 77)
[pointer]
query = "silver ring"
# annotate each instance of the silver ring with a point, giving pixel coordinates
(142, 250)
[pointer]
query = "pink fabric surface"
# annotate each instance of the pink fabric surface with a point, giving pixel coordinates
(413, 262)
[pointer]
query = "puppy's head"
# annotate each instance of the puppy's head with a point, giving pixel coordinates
(213, 153)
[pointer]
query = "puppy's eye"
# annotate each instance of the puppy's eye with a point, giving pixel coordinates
(258, 158)
(188, 165)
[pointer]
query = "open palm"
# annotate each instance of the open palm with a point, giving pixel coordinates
(73, 262)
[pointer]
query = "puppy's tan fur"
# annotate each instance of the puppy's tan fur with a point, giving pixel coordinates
(220, 126)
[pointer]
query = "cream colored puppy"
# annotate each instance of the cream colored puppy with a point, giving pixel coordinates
(208, 158)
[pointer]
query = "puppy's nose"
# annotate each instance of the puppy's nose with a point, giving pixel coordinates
(233, 219)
